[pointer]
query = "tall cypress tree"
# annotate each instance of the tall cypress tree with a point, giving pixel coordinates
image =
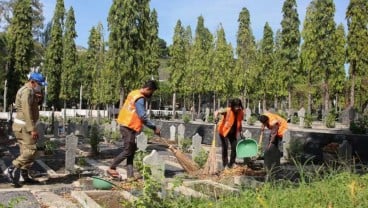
(357, 39)
(21, 46)
(290, 40)
(267, 65)
(128, 23)
(69, 76)
(54, 55)
(246, 53)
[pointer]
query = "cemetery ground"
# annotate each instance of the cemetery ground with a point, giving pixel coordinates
(72, 157)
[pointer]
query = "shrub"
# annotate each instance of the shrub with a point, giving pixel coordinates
(359, 126)
(252, 120)
(308, 119)
(185, 144)
(50, 147)
(294, 119)
(331, 120)
(201, 158)
(186, 118)
(94, 138)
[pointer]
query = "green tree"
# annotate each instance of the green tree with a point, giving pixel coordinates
(290, 40)
(69, 76)
(129, 26)
(222, 68)
(200, 59)
(20, 46)
(178, 61)
(54, 55)
(246, 54)
(357, 38)
(264, 77)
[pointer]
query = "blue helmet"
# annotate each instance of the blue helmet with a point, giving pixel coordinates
(37, 77)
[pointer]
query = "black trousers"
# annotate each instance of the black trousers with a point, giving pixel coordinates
(128, 137)
(225, 141)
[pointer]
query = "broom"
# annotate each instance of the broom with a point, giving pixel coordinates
(211, 164)
(188, 165)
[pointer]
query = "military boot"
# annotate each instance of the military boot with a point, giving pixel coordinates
(13, 174)
(26, 177)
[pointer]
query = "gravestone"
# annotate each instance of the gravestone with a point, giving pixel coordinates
(157, 166)
(56, 129)
(71, 128)
(41, 134)
(172, 133)
(247, 134)
(248, 113)
(78, 130)
(196, 145)
(71, 143)
(301, 115)
(114, 125)
(207, 114)
(345, 151)
(286, 144)
(142, 142)
(181, 131)
(347, 115)
(85, 129)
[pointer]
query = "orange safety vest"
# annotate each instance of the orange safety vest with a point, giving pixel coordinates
(282, 123)
(228, 120)
(128, 116)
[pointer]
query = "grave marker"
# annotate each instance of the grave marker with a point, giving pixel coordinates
(71, 143)
(301, 115)
(142, 142)
(181, 132)
(172, 133)
(196, 145)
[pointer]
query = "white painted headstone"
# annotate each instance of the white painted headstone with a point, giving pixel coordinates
(142, 142)
(248, 113)
(181, 132)
(156, 164)
(301, 115)
(286, 144)
(172, 133)
(196, 145)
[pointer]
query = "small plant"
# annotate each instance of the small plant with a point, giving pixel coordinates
(148, 132)
(308, 119)
(138, 160)
(331, 120)
(82, 161)
(359, 126)
(94, 138)
(283, 114)
(13, 202)
(186, 118)
(50, 147)
(251, 120)
(185, 144)
(201, 158)
(294, 119)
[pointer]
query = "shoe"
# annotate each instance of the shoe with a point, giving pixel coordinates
(13, 174)
(113, 173)
(26, 178)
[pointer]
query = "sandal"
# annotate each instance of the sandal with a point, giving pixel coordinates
(113, 173)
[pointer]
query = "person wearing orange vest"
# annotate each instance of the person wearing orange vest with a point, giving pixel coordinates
(229, 129)
(132, 116)
(278, 127)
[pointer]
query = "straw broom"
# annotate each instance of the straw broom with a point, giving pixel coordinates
(210, 167)
(188, 165)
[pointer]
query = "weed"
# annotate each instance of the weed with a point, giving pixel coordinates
(201, 158)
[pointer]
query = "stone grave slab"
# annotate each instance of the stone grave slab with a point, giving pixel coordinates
(18, 198)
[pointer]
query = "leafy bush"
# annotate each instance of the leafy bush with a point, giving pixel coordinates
(185, 144)
(308, 119)
(186, 118)
(359, 126)
(94, 138)
(201, 158)
(252, 120)
(50, 147)
(331, 120)
(138, 160)
(294, 119)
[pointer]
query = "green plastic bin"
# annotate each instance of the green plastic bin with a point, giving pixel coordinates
(102, 184)
(246, 148)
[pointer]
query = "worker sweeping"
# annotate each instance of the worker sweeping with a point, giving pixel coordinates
(131, 118)
(229, 129)
(278, 127)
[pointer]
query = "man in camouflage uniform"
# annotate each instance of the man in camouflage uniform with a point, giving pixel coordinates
(24, 127)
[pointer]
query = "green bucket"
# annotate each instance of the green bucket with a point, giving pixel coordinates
(246, 148)
(99, 183)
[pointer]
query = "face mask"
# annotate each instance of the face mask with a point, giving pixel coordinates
(37, 88)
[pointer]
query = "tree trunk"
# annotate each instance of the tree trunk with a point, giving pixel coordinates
(173, 105)
(214, 101)
(275, 102)
(264, 107)
(199, 104)
(309, 107)
(352, 89)
(326, 97)
(121, 97)
(289, 103)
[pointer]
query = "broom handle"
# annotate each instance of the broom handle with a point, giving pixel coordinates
(260, 139)
(214, 135)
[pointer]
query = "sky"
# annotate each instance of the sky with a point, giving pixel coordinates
(89, 13)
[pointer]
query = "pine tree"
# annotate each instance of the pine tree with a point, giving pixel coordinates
(357, 39)
(290, 40)
(246, 54)
(69, 77)
(54, 55)
(21, 46)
